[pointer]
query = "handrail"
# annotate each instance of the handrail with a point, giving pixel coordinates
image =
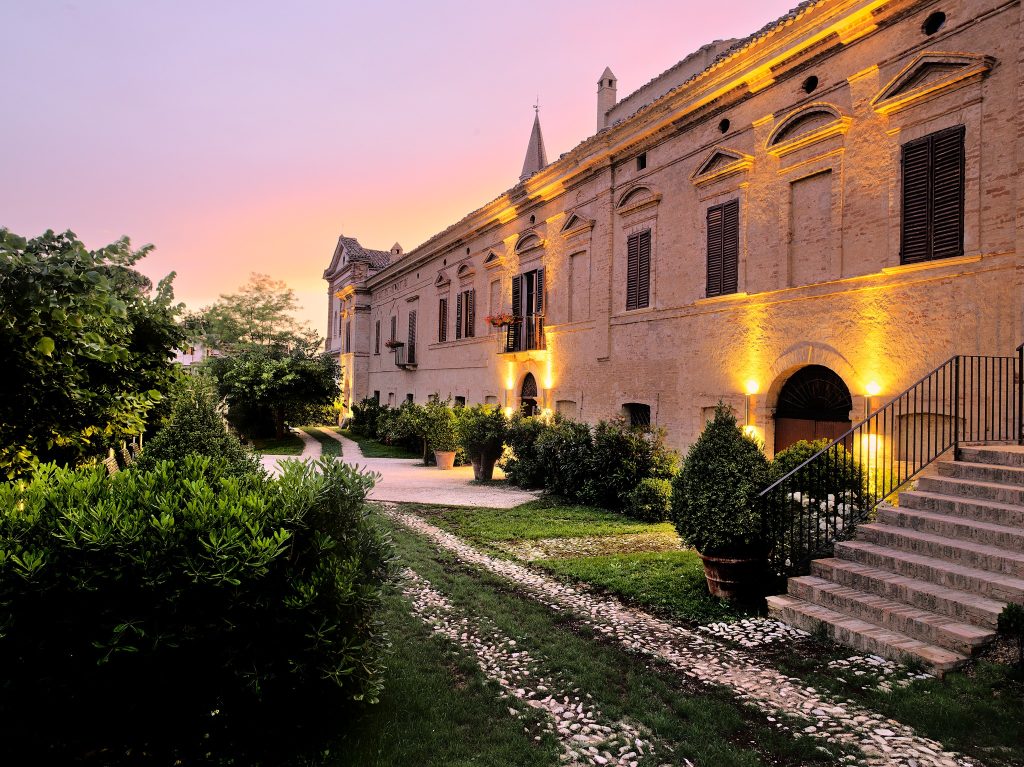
(968, 398)
(525, 334)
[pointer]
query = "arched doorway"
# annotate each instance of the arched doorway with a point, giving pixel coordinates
(528, 396)
(814, 403)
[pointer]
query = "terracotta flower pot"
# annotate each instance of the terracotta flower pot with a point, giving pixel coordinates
(734, 578)
(445, 459)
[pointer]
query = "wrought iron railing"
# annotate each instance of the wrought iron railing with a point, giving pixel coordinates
(405, 356)
(525, 334)
(966, 399)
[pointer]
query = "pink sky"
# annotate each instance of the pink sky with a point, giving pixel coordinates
(244, 137)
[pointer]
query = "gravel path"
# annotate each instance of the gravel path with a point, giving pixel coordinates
(585, 736)
(704, 658)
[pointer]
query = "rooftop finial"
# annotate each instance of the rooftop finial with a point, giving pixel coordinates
(536, 157)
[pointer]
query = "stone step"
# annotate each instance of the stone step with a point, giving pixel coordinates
(924, 625)
(985, 472)
(947, 526)
(968, 508)
(861, 635)
(1004, 588)
(959, 605)
(976, 555)
(1002, 455)
(966, 488)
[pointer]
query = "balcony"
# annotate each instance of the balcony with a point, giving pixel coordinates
(405, 356)
(525, 337)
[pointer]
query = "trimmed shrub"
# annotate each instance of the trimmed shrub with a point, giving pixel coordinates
(154, 611)
(195, 426)
(366, 417)
(522, 463)
(565, 448)
(481, 430)
(622, 456)
(441, 426)
(844, 476)
(650, 501)
(714, 497)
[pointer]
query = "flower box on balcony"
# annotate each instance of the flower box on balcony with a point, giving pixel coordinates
(394, 344)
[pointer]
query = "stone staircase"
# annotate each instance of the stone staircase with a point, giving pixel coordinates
(926, 580)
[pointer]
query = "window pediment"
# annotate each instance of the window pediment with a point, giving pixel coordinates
(465, 271)
(637, 198)
(720, 163)
(528, 241)
(492, 260)
(928, 75)
(807, 125)
(576, 223)
(442, 279)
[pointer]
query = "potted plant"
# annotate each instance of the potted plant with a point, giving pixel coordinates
(393, 344)
(716, 509)
(481, 432)
(441, 433)
(500, 320)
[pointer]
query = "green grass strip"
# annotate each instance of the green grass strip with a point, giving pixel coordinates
(329, 447)
(371, 448)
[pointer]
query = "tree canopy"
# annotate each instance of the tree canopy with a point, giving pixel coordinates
(85, 346)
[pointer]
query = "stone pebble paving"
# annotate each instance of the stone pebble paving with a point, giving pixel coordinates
(701, 657)
(585, 736)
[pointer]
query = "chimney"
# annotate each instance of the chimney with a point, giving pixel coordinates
(605, 97)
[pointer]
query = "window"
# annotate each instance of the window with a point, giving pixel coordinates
(810, 84)
(465, 314)
(934, 23)
(376, 395)
(638, 270)
(394, 328)
(527, 332)
(409, 398)
(348, 337)
(376, 337)
(723, 126)
(933, 197)
(641, 161)
(410, 356)
(460, 402)
(637, 413)
(723, 248)
(442, 320)
(566, 408)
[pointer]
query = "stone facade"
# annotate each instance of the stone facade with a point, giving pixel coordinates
(803, 124)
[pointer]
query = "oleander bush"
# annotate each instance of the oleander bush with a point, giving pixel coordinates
(650, 500)
(156, 612)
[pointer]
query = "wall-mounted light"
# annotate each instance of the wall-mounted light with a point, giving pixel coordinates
(508, 412)
(872, 390)
(751, 387)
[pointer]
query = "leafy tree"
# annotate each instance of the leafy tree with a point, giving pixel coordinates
(267, 387)
(259, 314)
(85, 346)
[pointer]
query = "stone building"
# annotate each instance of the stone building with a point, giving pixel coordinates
(800, 223)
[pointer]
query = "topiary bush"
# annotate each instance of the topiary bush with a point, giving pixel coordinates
(481, 430)
(650, 500)
(195, 426)
(715, 496)
(844, 475)
(522, 463)
(160, 611)
(441, 426)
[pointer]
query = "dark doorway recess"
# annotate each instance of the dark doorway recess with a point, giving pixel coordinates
(813, 404)
(528, 396)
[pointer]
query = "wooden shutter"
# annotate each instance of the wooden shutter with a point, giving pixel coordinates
(538, 300)
(376, 338)
(411, 356)
(730, 246)
(394, 327)
(470, 313)
(632, 270)
(348, 337)
(947, 198)
(458, 316)
(714, 287)
(512, 342)
(643, 280)
(915, 235)
(442, 320)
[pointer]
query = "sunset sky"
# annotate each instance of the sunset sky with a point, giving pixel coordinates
(244, 137)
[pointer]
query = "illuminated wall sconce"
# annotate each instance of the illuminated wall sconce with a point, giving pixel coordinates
(508, 412)
(872, 390)
(751, 387)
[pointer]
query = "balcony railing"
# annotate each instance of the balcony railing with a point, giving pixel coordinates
(966, 399)
(525, 334)
(405, 356)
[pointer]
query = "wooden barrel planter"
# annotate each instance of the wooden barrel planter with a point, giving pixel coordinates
(734, 578)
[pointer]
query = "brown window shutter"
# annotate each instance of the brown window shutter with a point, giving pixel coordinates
(376, 337)
(458, 316)
(512, 339)
(470, 313)
(394, 328)
(715, 237)
(539, 298)
(411, 356)
(348, 337)
(643, 280)
(948, 193)
(916, 215)
(442, 320)
(730, 246)
(632, 270)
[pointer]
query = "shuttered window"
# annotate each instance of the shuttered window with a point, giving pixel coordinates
(394, 328)
(411, 352)
(348, 337)
(723, 248)
(442, 320)
(376, 337)
(638, 270)
(469, 309)
(933, 197)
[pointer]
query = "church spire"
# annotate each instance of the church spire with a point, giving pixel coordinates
(536, 157)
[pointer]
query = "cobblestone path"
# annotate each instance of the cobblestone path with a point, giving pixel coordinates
(585, 736)
(703, 658)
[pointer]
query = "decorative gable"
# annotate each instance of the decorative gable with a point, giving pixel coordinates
(465, 271)
(807, 125)
(927, 75)
(720, 163)
(575, 223)
(442, 279)
(492, 260)
(528, 241)
(637, 198)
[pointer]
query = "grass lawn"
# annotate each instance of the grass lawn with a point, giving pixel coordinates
(330, 447)
(669, 582)
(373, 449)
(290, 444)
(699, 722)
